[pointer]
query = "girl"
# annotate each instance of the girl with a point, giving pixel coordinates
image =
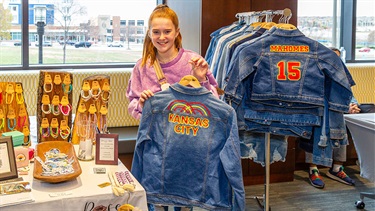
(163, 44)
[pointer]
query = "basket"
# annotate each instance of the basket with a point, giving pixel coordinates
(64, 147)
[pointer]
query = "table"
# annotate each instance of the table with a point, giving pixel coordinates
(362, 128)
(82, 193)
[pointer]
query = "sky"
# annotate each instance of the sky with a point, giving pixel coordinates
(123, 8)
(325, 7)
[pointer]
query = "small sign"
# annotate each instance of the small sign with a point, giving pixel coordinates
(8, 167)
(106, 149)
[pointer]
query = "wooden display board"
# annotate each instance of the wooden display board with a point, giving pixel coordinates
(13, 110)
(92, 108)
(54, 113)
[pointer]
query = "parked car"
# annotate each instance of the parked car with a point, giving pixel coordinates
(115, 44)
(45, 43)
(19, 43)
(82, 44)
(364, 49)
(68, 42)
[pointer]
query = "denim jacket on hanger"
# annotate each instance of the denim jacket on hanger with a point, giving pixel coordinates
(187, 151)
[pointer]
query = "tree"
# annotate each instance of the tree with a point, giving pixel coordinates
(5, 23)
(67, 16)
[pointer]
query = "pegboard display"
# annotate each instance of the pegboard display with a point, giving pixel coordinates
(92, 108)
(13, 110)
(54, 110)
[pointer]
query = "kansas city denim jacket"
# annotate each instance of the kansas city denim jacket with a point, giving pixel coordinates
(187, 151)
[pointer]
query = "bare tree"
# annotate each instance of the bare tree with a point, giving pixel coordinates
(67, 15)
(5, 23)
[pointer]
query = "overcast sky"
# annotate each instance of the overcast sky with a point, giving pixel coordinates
(325, 7)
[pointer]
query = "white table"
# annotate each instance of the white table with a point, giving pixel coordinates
(362, 128)
(82, 193)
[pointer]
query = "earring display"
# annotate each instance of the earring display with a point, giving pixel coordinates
(13, 110)
(91, 114)
(54, 118)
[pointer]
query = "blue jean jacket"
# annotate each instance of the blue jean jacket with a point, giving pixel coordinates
(284, 68)
(187, 151)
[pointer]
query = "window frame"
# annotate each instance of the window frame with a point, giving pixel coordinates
(347, 40)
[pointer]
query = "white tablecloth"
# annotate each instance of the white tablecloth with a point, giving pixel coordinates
(81, 194)
(362, 128)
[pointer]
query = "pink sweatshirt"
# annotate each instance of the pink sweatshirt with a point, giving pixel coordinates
(145, 78)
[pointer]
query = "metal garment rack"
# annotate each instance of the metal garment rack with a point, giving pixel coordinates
(265, 205)
(286, 14)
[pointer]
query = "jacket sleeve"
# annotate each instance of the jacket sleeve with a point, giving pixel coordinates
(142, 137)
(231, 160)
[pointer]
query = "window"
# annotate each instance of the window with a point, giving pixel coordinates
(365, 30)
(140, 22)
(355, 31)
(66, 23)
(318, 20)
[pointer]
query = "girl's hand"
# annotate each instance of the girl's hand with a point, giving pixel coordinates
(144, 96)
(199, 68)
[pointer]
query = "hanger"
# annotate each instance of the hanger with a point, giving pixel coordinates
(284, 20)
(190, 80)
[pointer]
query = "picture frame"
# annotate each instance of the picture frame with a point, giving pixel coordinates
(106, 152)
(8, 167)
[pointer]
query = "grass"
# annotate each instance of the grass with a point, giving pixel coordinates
(11, 55)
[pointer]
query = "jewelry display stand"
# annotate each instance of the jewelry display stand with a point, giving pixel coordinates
(13, 110)
(91, 114)
(54, 113)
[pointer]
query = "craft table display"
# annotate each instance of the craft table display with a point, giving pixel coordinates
(54, 116)
(13, 112)
(91, 114)
(82, 193)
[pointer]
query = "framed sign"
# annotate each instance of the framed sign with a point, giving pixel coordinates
(8, 168)
(106, 149)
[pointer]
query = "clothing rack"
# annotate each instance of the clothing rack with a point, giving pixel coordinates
(249, 17)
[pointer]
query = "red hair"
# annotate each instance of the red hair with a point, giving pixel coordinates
(149, 50)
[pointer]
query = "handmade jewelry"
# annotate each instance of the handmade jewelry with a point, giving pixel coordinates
(9, 91)
(65, 106)
(65, 133)
(47, 90)
(54, 132)
(65, 109)
(19, 95)
(1, 95)
(85, 91)
(12, 126)
(86, 97)
(106, 92)
(46, 111)
(19, 99)
(95, 90)
(67, 91)
(55, 105)
(2, 124)
(47, 86)
(67, 82)
(21, 121)
(26, 133)
(44, 132)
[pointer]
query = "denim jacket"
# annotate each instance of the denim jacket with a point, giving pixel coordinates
(287, 72)
(293, 68)
(187, 151)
